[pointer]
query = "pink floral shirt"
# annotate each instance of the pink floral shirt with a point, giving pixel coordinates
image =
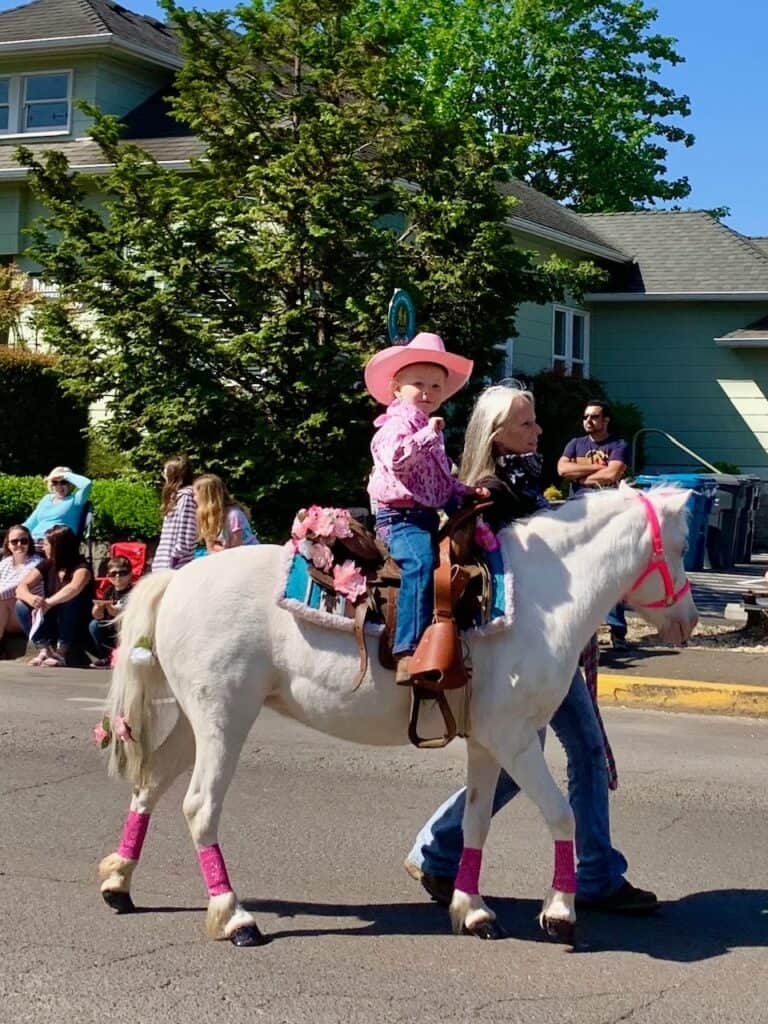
(409, 460)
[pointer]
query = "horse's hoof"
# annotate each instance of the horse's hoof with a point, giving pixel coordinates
(486, 930)
(559, 930)
(120, 902)
(248, 935)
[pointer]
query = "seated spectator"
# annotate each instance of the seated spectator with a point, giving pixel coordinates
(18, 557)
(176, 546)
(56, 621)
(222, 522)
(62, 506)
(103, 628)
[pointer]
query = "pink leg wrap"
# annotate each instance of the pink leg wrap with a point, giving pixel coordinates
(134, 831)
(564, 879)
(214, 870)
(468, 874)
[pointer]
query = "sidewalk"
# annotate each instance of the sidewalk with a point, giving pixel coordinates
(695, 679)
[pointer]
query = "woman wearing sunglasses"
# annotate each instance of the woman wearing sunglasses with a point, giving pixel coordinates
(103, 627)
(18, 557)
(57, 622)
(68, 492)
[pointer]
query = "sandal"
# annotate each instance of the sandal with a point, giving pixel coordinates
(100, 663)
(38, 660)
(53, 660)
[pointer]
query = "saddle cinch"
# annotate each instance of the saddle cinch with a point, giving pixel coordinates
(462, 594)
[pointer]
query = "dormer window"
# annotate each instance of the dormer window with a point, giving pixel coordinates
(38, 103)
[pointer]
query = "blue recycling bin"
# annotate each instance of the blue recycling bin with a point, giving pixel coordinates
(699, 505)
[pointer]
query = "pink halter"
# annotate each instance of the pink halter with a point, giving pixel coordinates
(658, 563)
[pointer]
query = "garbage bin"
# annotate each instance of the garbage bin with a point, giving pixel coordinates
(745, 526)
(704, 489)
(732, 520)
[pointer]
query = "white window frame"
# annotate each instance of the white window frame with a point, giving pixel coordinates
(567, 357)
(17, 103)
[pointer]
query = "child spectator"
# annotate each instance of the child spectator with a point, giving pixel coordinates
(103, 628)
(411, 476)
(222, 522)
(176, 546)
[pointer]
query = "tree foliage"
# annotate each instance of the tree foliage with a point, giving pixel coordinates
(230, 310)
(576, 82)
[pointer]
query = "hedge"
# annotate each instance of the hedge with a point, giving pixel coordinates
(121, 510)
(42, 427)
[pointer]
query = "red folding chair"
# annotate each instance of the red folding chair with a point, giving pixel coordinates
(136, 553)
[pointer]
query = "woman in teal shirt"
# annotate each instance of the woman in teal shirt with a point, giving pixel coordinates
(62, 506)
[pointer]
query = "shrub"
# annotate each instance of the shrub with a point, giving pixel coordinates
(121, 510)
(42, 427)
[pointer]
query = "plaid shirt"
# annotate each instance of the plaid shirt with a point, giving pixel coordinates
(179, 534)
(11, 575)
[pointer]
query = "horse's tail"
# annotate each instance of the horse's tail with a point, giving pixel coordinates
(137, 680)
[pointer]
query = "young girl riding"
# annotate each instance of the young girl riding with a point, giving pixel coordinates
(411, 476)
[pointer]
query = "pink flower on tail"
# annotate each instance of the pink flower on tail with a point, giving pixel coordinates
(341, 519)
(122, 729)
(101, 733)
(349, 581)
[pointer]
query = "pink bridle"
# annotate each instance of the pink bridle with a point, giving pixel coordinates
(658, 563)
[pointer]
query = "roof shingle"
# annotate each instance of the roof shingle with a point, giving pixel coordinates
(680, 252)
(61, 19)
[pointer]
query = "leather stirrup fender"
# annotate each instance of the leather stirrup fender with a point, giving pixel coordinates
(361, 610)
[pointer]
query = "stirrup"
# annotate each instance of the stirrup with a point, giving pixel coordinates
(418, 694)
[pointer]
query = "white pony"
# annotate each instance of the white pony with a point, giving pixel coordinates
(223, 649)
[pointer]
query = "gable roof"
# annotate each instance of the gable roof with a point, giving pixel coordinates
(754, 335)
(761, 242)
(85, 156)
(537, 211)
(678, 253)
(64, 23)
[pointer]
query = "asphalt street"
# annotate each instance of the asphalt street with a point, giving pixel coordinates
(314, 832)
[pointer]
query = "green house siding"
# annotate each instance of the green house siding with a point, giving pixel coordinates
(663, 357)
(9, 219)
(121, 87)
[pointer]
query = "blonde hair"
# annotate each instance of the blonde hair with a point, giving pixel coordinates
(213, 500)
(56, 473)
(488, 417)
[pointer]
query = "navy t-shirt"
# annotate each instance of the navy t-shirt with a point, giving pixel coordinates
(578, 447)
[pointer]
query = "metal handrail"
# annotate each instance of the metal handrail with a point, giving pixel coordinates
(674, 441)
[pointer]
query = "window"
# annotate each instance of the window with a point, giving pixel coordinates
(38, 103)
(570, 342)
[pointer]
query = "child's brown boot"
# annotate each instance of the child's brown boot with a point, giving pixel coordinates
(403, 670)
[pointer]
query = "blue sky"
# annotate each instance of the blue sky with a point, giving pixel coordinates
(725, 77)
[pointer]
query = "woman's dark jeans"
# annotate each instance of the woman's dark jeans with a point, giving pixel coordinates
(65, 624)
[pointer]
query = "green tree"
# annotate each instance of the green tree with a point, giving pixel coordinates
(576, 82)
(230, 310)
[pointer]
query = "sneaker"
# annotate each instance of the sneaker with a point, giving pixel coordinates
(620, 643)
(439, 887)
(627, 899)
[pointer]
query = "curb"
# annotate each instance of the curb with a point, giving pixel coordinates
(683, 695)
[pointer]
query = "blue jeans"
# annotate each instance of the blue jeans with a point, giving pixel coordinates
(65, 624)
(600, 867)
(617, 621)
(410, 534)
(103, 636)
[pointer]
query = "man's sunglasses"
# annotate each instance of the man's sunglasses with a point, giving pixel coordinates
(18, 540)
(593, 416)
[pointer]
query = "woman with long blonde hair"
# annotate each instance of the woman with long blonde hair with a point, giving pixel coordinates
(222, 522)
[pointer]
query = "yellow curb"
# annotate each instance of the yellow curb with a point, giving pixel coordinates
(683, 695)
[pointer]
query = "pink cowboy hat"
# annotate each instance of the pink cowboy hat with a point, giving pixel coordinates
(423, 348)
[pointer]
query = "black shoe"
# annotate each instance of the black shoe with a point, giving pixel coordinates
(620, 643)
(625, 900)
(439, 887)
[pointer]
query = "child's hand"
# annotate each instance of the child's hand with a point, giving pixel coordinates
(482, 493)
(437, 423)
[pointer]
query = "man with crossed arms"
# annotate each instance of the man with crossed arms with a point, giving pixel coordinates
(597, 459)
